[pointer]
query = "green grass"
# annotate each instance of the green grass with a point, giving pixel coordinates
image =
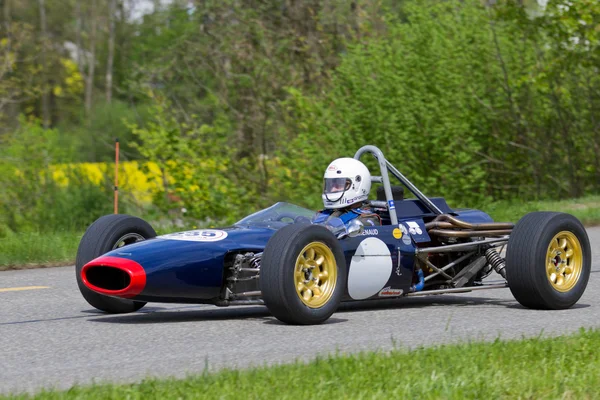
(587, 209)
(22, 250)
(36, 249)
(566, 367)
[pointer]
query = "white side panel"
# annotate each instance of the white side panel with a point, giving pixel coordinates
(370, 269)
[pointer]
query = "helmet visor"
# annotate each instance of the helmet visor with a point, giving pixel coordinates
(336, 185)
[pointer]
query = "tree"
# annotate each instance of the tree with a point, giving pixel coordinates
(89, 80)
(44, 40)
(111, 49)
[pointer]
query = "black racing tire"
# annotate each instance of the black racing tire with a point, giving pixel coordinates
(528, 257)
(277, 274)
(101, 237)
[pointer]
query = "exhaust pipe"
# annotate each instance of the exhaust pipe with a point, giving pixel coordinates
(114, 276)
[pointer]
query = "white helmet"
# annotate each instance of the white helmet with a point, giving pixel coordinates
(346, 181)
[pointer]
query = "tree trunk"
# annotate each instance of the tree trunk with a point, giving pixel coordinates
(8, 27)
(6, 12)
(123, 15)
(6, 17)
(111, 49)
(507, 88)
(44, 39)
(595, 125)
(564, 125)
(89, 82)
(78, 44)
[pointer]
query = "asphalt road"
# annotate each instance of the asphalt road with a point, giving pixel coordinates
(50, 337)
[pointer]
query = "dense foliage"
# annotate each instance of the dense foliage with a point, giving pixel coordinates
(471, 102)
(242, 103)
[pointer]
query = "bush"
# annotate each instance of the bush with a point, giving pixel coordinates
(199, 170)
(33, 199)
(91, 139)
(470, 102)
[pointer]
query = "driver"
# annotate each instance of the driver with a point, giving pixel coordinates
(346, 187)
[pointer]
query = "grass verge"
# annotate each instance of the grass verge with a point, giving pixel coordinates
(587, 209)
(27, 250)
(566, 367)
(49, 249)
(34, 249)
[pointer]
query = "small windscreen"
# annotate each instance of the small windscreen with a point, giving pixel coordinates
(336, 185)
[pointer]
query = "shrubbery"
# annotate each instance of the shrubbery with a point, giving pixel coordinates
(471, 102)
(35, 197)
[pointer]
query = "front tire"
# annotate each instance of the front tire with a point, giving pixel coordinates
(105, 234)
(303, 274)
(548, 260)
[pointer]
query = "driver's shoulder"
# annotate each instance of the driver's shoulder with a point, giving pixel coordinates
(368, 216)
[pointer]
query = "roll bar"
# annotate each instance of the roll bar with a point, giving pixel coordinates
(385, 166)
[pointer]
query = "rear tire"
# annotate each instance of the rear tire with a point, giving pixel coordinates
(548, 260)
(296, 297)
(102, 236)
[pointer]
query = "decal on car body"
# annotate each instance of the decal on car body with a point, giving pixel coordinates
(405, 235)
(389, 292)
(368, 232)
(370, 268)
(199, 235)
(413, 228)
(417, 231)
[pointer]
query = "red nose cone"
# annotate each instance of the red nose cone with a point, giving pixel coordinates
(114, 276)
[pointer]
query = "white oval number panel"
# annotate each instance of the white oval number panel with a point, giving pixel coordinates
(370, 269)
(199, 235)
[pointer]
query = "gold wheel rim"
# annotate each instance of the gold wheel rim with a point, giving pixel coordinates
(564, 261)
(315, 274)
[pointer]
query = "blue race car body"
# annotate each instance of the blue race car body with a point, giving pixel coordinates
(301, 264)
(193, 266)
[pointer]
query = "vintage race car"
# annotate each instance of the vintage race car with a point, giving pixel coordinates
(301, 270)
